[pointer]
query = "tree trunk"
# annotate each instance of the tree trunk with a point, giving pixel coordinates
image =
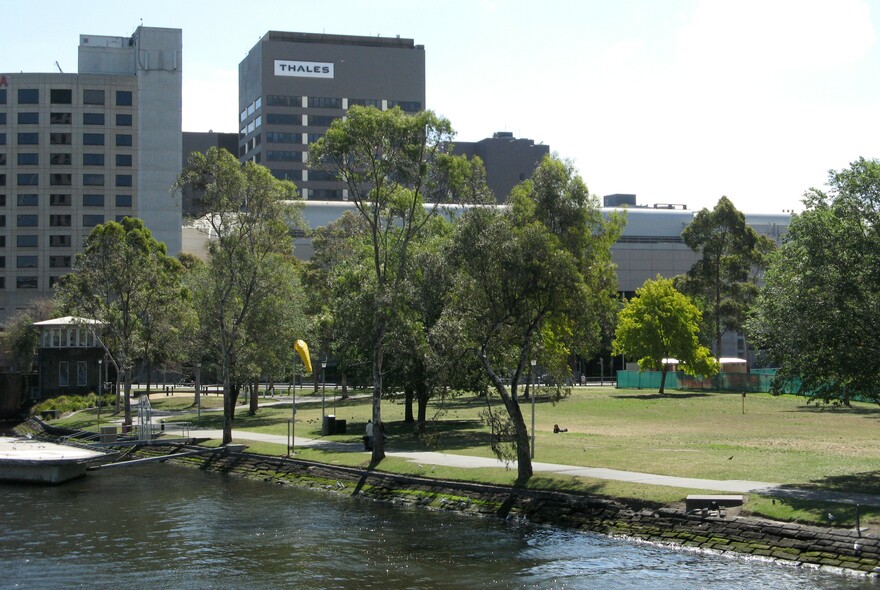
(344, 386)
(378, 426)
(230, 396)
(663, 379)
(408, 396)
(422, 398)
(127, 397)
(521, 433)
(149, 374)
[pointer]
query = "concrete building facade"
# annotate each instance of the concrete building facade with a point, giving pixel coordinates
(508, 160)
(292, 86)
(77, 150)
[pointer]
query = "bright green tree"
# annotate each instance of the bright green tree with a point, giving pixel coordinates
(658, 324)
(818, 315)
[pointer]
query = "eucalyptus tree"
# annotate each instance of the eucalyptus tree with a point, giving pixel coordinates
(724, 281)
(531, 281)
(393, 165)
(250, 214)
(124, 279)
(661, 323)
(818, 315)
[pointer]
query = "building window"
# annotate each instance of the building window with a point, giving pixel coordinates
(2, 139)
(407, 106)
(325, 102)
(59, 262)
(28, 179)
(93, 118)
(2, 262)
(123, 139)
(27, 241)
(60, 118)
(28, 138)
(278, 137)
(92, 220)
(63, 371)
(28, 220)
(2, 96)
(93, 180)
(283, 119)
(59, 241)
(123, 180)
(27, 200)
(25, 282)
(60, 179)
(2, 221)
(123, 160)
(28, 96)
(321, 120)
(314, 137)
(28, 159)
(93, 97)
(2, 200)
(57, 220)
(123, 98)
(93, 200)
(276, 100)
(123, 200)
(93, 139)
(365, 102)
(283, 156)
(61, 96)
(60, 159)
(28, 118)
(2, 118)
(82, 373)
(59, 200)
(93, 159)
(26, 262)
(123, 120)
(61, 139)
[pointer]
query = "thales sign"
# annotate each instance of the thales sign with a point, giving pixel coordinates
(303, 69)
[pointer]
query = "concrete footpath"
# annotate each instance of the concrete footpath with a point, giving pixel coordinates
(468, 461)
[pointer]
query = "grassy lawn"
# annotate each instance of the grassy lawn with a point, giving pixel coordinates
(776, 439)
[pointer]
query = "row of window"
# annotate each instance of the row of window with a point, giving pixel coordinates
(325, 102)
(124, 98)
(55, 179)
(64, 200)
(55, 220)
(29, 261)
(66, 159)
(91, 119)
(72, 337)
(33, 138)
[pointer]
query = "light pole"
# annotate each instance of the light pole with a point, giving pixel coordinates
(532, 379)
(199, 391)
(100, 390)
(323, 389)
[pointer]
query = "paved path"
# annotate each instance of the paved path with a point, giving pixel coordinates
(468, 461)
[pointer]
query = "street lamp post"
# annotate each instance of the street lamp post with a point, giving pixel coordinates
(100, 390)
(199, 392)
(532, 379)
(323, 389)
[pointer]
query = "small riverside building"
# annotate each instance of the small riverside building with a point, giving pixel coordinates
(68, 354)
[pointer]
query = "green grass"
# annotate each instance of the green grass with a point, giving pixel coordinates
(776, 439)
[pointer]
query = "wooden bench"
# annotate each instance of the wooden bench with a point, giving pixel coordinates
(712, 502)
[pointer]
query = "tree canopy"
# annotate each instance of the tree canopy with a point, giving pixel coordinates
(724, 281)
(818, 315)
(658, 324)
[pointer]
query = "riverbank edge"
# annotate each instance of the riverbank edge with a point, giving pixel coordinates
(820, 547)
(838, 550)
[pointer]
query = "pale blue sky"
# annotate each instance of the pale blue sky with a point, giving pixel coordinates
(678, 101)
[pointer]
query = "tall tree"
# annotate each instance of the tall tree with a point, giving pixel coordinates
(659, 324)
(532, 280)
(250, 215)
(124, 279)
(723, 280)
(818, 315)
(392, 164)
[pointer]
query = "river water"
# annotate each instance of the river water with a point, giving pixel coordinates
(161, 526)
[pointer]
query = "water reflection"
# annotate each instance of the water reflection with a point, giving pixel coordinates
(178, 528)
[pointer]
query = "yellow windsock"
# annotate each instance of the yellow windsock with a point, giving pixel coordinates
(303, 349)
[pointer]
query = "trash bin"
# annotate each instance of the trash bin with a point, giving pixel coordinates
(108, 434)
(340, 427)
(329, 425)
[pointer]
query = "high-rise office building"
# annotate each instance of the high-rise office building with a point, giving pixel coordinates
(293, 85)
(77, 150)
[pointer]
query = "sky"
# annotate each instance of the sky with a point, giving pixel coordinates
(677, 101)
